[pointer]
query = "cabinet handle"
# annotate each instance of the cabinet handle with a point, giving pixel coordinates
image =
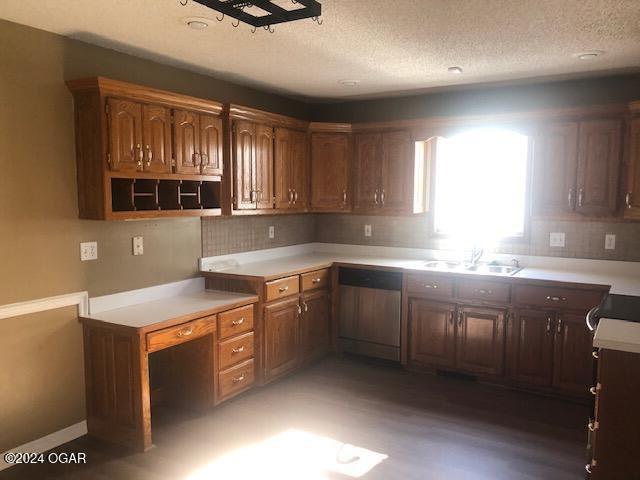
(580, 195)
(306, 307)
(240, 321)
(375, 196)
(140, 154)
(204, 159)
(316, 280)
(382, 197)
(299, 310)
(627, 199)
(295, 195)
(430, 286)
(595, 354)
(595, 390)
(460, 315)
(238, 350)
(194, 159)
(149, 155)
(283, 289)
(570, 198)
(548, 325)
(593, 425)
(482, 291)
(185, 332)
(559, 326)
(587, 467)
(553, 298)
(290, 196)
(238, 379)
(344, 196)
(258, 196)
(451, 317)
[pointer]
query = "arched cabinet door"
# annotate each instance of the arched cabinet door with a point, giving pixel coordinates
(186, 141)
(125, 135)
(211, 145)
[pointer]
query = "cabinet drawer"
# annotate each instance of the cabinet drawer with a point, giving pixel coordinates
(235, 379)
(316, 280)
(235, 322)
(235, 350)
(556, 297)
(483, 290)
(429, 285)
(180, 333)
(281, 288)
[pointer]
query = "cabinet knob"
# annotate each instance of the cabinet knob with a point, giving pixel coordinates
(482, 291)
(595, 354)
(431, 286)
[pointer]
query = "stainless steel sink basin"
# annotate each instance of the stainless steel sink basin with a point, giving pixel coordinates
(443, 265)
(493, 269)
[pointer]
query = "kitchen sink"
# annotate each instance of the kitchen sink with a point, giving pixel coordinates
(443, 265)
(493, 269)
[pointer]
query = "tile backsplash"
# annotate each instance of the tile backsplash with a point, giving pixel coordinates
(238, 234)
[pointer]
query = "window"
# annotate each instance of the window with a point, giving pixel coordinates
(480, 185)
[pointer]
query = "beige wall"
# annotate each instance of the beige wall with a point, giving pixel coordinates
(41, 387)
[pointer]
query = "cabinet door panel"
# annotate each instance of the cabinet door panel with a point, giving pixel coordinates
(281, 337)
(125, 135)
(531, 349)
(299, 170)
(555, 167)
(330, 172)
(186, 141)
(244, 165)
(397, 172)
(598, 166)
(572, 363)
(211, 144)
(264, 166)
(314, 324)
(368, 171)
(156, 134)
(283, 169)
(432, 333)
(480, 340)
(632, 195)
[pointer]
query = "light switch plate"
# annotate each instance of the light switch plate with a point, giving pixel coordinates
(138, 246)
(272, 232)
(610, 241)
(88, 251)
(367, 230)
(556, 239)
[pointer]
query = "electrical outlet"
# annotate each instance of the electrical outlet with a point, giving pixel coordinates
(610, 241)
(138, 245)
(272, 232)
(367, 230)
(88, 251)
(556, 239)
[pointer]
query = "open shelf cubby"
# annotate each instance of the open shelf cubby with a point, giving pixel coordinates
(144, 194)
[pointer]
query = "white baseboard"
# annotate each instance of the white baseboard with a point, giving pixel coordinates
(47, 442)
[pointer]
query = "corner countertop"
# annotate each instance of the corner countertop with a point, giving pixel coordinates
(620, 283)
(618, 335)
(172, 310)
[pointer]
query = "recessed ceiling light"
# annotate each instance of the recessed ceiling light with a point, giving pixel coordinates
(196, 23)
(454, 69)
(349, 82)
(588, 55)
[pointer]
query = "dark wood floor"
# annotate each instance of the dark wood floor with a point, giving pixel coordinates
(402, 425)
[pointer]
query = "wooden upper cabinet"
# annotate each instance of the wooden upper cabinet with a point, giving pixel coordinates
(530, 358)
(330, 165)
(397, 172)
(211, 145)
(432, 331)
(480, 340)
(555, 167)
(186, 141)
(125, 135)
(367, 171)
(632, 194)
(598, 166)
(156, 136)
(264, 166)
(290, 169)
(244, 169)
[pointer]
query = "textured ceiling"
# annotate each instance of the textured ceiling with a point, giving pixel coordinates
(390, 46)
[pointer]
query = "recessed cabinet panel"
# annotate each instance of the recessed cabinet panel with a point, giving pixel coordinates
(281, 337)
(211, 145)
(531, 359)
(330, 164)
(368, 171)
(314, 324)
(156, 133)
(187, 142)
(432, 333)
(397, 172)
(480, 340)
(572, 360)
(244, 165)
(264, 166)
(125, 135)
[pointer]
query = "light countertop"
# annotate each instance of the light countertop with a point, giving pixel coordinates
(158, 311)
(617, 335)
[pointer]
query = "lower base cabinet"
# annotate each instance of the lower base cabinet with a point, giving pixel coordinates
(281, 321)
(432, 333)
(314, 325)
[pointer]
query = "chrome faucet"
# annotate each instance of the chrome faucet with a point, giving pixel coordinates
(476, 255)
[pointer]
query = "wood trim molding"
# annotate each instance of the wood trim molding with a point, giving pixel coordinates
(81, 299)
(329, 127)
(238, 112)
(43, 444)
(116, 88)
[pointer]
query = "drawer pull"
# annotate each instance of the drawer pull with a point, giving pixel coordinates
(238, 379)
(283, 289)
(553, 298)
(592, 426)
(431, 286)
(316, 280)
(240, 321)
(594, 390)
(238, 350)
(595, 354)
(185, 332)
(587, 467)
(482, 291)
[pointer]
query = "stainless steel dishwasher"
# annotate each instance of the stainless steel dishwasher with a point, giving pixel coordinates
(369, 312)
